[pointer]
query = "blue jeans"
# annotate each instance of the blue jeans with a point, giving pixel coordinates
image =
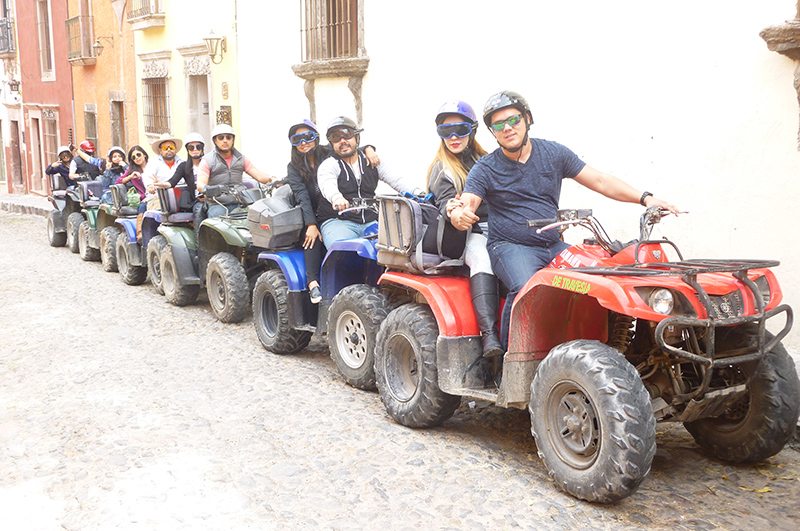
(514, 265)
(334, 230)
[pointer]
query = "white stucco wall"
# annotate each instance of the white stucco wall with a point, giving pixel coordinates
(681, 99)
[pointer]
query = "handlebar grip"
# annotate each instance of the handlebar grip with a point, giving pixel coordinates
(213, 190)
(534, 223)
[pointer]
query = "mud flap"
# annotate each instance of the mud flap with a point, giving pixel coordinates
(454, 355)
(93, 239)
(134, 253)
(185, 260)
(60, 220)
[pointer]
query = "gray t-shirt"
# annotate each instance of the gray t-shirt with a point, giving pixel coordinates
(518, 192)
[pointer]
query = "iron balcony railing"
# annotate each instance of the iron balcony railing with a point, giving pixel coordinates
(7, 43)
(142, 8)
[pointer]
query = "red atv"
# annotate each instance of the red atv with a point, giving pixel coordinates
(604, 342)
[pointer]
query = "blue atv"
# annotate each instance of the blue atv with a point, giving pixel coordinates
(108, 228)
(351, 310)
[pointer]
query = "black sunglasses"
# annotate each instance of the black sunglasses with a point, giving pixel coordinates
(137, 155)
(194, 147)
(339, 134)
(460, 129)
(224, 137)
(299, 138)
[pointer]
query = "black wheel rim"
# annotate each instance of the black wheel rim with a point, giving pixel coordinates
(269, 315)
(217, 293)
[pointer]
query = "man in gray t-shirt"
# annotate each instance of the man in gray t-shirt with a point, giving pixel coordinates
(521, 180)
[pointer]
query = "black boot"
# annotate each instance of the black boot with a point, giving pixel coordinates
(485, 301)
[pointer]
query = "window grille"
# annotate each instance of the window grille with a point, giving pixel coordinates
(50, 133)
(45, 48)
(155, 97)
(90, 122)
(329, 29)
(140, 8)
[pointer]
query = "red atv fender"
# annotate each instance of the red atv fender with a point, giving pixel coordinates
(448, 297)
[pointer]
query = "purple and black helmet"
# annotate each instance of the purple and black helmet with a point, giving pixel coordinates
(460, 108)
(304, 123)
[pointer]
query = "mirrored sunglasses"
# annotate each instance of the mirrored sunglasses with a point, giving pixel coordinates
(299, 138)
(339, 134)
(460, 129)
(165, 147)
(511, 120)
(194, 147)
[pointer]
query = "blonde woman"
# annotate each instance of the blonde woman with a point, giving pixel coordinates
(456, 124)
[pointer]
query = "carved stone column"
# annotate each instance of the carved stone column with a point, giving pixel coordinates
(785, 39)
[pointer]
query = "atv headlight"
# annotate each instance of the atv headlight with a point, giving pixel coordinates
(662, 301)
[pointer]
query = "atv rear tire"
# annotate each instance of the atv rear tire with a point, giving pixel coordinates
(74, 221)
(154, 249)
(56, 239)
(176, 293)
(131, 275)
(88, 254)
(405, 368)
(108, 248)
(354, 318)
(228, 289)
(592, 421)
(271, 315)
(759, 424)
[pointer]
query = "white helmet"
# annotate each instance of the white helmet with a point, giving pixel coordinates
(118, 150)
(221, 129)
(64, 149)
(194, 137)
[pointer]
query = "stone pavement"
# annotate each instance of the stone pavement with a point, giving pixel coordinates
(120, 411)
(25, 204)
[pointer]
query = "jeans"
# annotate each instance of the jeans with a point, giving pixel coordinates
(334, 230)
(514, 265)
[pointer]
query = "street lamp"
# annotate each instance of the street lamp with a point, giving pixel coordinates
(216, 45)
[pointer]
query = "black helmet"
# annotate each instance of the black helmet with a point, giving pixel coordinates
(504, 99)
(342, 121)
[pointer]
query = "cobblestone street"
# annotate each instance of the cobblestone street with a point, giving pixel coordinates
(121, 411)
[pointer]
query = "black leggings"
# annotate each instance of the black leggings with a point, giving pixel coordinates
(313, 258)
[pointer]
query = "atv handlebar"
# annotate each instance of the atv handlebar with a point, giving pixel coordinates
(361, 203)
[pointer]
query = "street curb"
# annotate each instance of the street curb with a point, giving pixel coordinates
(24, 209)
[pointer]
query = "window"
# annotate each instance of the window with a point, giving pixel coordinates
(50, 133)
(118, 123)
(155, 97)
(45, 32)
(330, 29)
(90, 124)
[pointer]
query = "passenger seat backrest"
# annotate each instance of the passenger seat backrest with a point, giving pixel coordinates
(169, 204)
(185, 202)
(119, 196)
(91, 190)
(57, 182)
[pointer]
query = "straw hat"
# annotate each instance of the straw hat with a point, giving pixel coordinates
(163, 138)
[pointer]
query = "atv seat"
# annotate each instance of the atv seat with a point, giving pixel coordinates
(119, 201)
(58, 185)
(175, 205)
(90, 193)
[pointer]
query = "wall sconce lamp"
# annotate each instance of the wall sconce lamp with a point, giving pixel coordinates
(216, 45)
(98, 46)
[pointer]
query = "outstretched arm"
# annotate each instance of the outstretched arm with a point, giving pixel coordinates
(617, 189)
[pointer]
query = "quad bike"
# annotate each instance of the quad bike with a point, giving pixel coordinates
(108, 229)
(222, 257)
(351, 309)
(72, 206)
(138, 251)
(604, 342)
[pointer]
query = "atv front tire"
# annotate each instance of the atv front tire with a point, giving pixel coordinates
(88, 254)
(176, 293)
(405, 368)
(56, 239)
(131, 275)
(592, 421)
(271, 315)
(354, 318)
(108, 248)
(760, 423)
(154, 249)
(228, 289)
(74, 221)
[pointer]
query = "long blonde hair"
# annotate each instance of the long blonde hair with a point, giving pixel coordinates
(452, 163)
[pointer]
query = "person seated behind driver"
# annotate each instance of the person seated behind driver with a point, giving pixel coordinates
(346, 176)
(61, 166)
(115, 167)
(224, 165)
(85, 163)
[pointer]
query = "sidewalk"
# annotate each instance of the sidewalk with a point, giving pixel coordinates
(25, 204)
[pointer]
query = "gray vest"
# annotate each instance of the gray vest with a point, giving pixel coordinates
(220, 173)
